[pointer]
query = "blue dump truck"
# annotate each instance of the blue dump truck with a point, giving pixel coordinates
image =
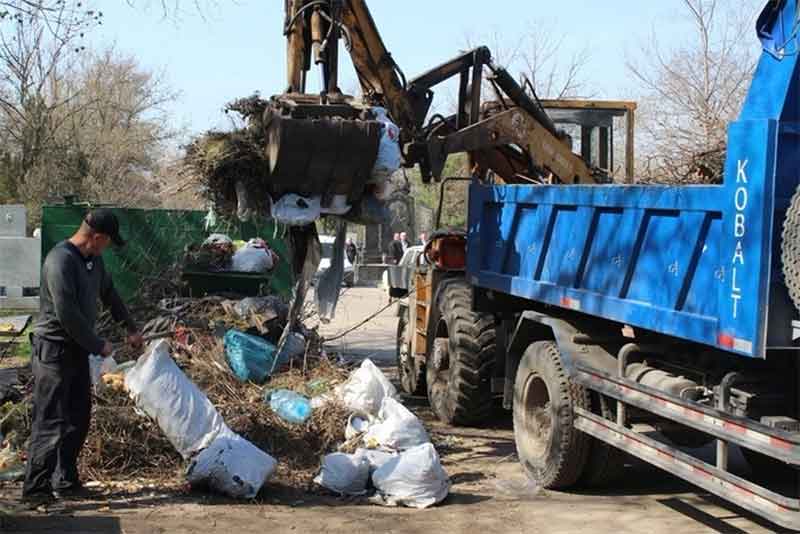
(642, 320)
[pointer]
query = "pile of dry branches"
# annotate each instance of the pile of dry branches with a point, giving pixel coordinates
(123, 444)
(221, 159)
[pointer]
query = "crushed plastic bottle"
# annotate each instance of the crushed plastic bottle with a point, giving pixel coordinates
(289, 405)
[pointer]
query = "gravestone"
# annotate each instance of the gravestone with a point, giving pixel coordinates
(21, 259)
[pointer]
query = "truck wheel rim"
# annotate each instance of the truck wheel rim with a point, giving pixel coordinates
(537, 418)
(406, 362)
(440, 367)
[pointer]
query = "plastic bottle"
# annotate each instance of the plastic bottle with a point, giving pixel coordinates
(289, 405)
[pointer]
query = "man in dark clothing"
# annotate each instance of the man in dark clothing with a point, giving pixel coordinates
(73, 277)
(396, 249)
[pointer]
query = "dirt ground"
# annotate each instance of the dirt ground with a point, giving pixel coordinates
(489, 491)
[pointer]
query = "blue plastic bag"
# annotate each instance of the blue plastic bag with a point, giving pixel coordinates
(289, 405)
(250, 357)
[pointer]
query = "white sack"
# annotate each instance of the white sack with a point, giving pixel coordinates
(413, 478)
(231, 465)
(397, 428)
(376, 458)
(389, 155)
(161, 390)
(365, 389)
(346, 474)
(296, 210)
(251, 260)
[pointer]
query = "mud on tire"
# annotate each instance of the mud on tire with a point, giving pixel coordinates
(460, 367)
(552, 451)
(412, 374)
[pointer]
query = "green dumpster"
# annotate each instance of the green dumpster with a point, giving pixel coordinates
(156, 240)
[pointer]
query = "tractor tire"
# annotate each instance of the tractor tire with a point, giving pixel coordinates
(552, 451)
(459, 371)
(412, 373)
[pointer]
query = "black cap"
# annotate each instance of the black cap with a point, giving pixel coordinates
(105, 222)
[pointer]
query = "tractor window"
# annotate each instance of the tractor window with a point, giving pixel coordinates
(599, 132)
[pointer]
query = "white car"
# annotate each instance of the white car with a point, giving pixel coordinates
(327, 242)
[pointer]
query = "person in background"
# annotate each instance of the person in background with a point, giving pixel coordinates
(423, 238)
(404, 241)
(350, 250)
(395, 249)
(73, 278)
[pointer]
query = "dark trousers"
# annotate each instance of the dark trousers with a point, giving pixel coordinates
(61, 413)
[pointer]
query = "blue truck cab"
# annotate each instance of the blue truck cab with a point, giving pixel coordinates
(671, 307)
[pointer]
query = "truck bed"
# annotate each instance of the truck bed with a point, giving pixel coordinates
(695, 262)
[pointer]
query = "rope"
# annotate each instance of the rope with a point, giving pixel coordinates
(366, 319)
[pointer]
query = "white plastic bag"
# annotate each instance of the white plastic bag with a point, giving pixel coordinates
(365, 389)
(397, 428)
(99, 366)
(389, 156)
(231, 465)
(161, 390)
(413, 478)
(346, 474)
(376, 458)
(296, 210)
(251, 260)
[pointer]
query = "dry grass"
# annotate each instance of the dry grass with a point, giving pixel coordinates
(124, 445)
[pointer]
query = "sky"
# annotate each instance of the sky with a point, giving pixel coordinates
(236, 47)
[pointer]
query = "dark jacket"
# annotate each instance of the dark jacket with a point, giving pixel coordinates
(71, 285)
(396, 251)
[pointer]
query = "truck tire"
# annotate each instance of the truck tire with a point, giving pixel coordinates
(605, 463)
(552, 451)
(460, 368)
(412, 374)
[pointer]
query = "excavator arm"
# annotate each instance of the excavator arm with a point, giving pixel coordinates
(513, 137)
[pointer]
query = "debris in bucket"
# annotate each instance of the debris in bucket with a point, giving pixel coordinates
(244, 171)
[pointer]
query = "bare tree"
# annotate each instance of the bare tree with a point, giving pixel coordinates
(35, 54)
(539, 56)
(120, 125)
(76, 122)
(691, 92)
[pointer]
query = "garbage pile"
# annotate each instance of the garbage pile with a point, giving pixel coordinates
(218, 405)
(218, 253)
(235, 436)
(393, 456)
